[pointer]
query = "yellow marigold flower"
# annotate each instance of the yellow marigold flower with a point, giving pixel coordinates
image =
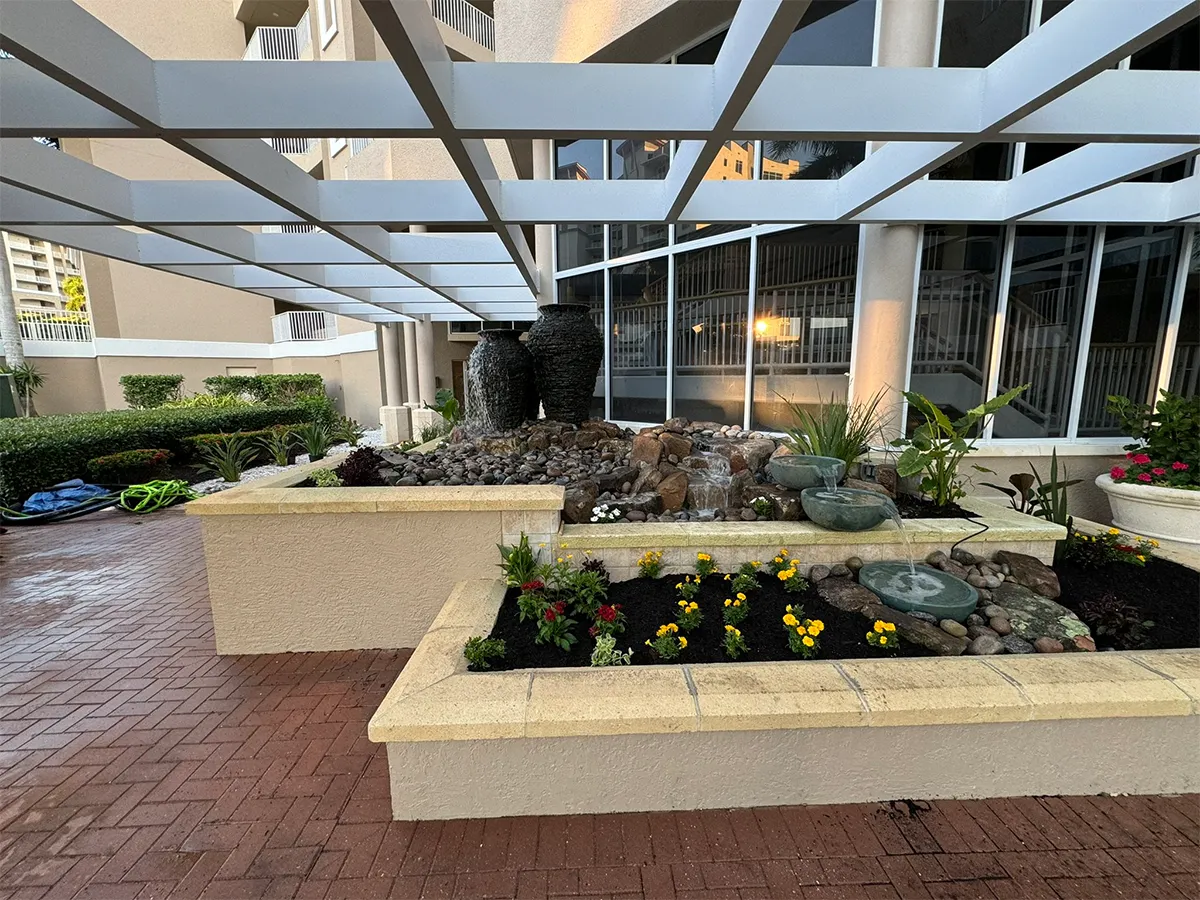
(704, 557)
(679, 585)
(783, 552)
(728, 602)
(785, 575)
(878, 626)
(1153, 542)
(800, 630)
(729, 628)
(727, 577)
(683, 603)
(671, 626)
(807, 642)
(542, 544)
(818, 623)
(740, 595)
(778, 559)
(570, 556)
(1114, 531)
(755, 563)
(737, 602)
(788, 608)
(565, 545)
(1141, 558)
(647, 643)
(888, 626)
(1138, 539)
(790, 620)
(682, 643)
(560, 559)
(882, 641)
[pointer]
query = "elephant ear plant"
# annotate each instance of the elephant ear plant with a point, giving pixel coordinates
(1030, 494)
(939, 445)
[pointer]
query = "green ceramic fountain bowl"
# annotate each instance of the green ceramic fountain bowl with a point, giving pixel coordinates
(957, 600)
(858, 511)
(799, 472)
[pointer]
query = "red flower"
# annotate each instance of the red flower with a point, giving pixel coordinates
(1125, 548)
(1117, 473)
(1129, 455)
(551, 615)
(1159, 471)
(607, 613)
(1144, 477)
(532, 586)
(560, 607)
(1141, 459)
(1179, 466)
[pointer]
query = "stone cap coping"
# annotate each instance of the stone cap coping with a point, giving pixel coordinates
(1004, 524)
(276, 494)
(436, 699)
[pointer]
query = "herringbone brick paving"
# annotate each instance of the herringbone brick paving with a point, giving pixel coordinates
(135, 763)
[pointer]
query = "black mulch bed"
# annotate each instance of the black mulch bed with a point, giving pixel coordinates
(1167, 593)
(647, 604)
(913, 507)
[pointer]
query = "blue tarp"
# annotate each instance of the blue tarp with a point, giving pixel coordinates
(63, 496)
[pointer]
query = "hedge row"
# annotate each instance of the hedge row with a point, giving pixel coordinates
(38, 452)
(151, 391)
(267, 388)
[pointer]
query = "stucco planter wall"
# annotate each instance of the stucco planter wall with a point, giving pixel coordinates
(556, 741)
(311, 569)
(1169, 515)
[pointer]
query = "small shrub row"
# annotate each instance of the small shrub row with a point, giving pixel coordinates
(267, 388)
(38, 452)
(151, 391)
(129, 466)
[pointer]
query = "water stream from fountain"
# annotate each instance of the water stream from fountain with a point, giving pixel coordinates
(708, 486)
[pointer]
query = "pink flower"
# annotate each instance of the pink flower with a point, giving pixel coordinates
(1141, 459)
(1144, 477)
(1159, 471)
(1179, 466)
(1117, 473)
(1129, 455)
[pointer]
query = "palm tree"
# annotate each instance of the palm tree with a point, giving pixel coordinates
(10, 330)
(827, 159)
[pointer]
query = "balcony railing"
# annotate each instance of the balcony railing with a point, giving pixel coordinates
(48, 325)
(273, 42)
(304, 325)
(467, 20)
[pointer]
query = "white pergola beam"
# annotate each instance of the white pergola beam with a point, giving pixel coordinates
(1184, 202)
(411, 35)
(1080, 41)
(756, 35)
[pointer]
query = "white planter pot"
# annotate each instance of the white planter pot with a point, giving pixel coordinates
(1169, 515)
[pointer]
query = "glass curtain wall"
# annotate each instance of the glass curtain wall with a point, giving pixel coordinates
(579, 245)
(1185, 366)
(589, 289)
(712, 288)
(803, 318)
(639, 341)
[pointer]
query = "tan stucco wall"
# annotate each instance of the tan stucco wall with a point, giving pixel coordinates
(197, 29)
(194, 371)
(570, 30)
(72, 385)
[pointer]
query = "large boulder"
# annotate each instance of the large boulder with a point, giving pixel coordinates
(578, 501)
(846, 594)
(648, 478)
(672, 490)
(923, 634)
(648, 502)
(1031, 572)
(610, 482)
(646, 449)
(756, 452)
(1033, 616)
(675, 444)
(741, 487)
(785, 504)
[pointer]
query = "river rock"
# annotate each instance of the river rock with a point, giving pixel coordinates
(992, 611)
(1083, 642)
(648, 502)
(1047, 645)
(612, 481)
(818, 573)
(579, 500)
(677, 425)
(648, 478)
(840, 570)
(963, 556)
(675, 444)
(854, 563)
(975, 619)
(673, 491)
(1033, 616)
(915, 631)
(635, 515)
(936, 558)
(1000, 625)
(749, 515)
(985, 645)
(646, 449)
(951, 627)
(974, 631)
(1014, 644)
(1032, 573)
(742, 488)
(845, 594)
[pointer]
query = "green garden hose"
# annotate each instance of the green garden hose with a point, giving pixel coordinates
(154, 495)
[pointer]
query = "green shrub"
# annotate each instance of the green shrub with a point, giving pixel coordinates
(277, 445)
(38, 452)
(278, 389)
(262, 454)
(129, 466)
(151, 391)
(228, 457)
(315, 439)
(208, 401)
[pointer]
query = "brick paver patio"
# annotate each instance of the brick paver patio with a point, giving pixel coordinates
(136, 763)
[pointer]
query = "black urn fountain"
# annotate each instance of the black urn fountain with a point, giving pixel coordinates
(500, 386)
(567, 351)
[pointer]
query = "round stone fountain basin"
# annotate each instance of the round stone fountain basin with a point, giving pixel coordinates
(799, 472)
(931, 591)
(847, 509)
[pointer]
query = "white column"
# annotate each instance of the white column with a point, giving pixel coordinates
(425, 384)
(390, 347)
(886, 301)
(412, 390)
(543, 235)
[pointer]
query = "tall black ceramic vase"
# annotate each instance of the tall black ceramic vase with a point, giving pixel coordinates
(500, 385)
(567, 351)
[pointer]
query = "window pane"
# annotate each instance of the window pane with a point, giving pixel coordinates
(956, 309)
(1179, 50)
(1132, 300)
(639, 341)
(1041, 153)
(1185, 369)
(579, 244)
(1051, 8)
(588, 289)
(734, 162)
(975, 33)
(639, 160)
(711, 292)
(804, 311)
(1041, 328)
(704, 53)
(831, 33)
(984, 162)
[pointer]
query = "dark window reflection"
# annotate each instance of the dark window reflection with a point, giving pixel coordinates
(588, 289)
(640, 160)
(711, 293)
(1132, 300)
(1178, 51)
(984, 162)
(734, 162)
(628, 238)
(1051, 8)
(975, 33)
(1185, 366)
(1042, 327)
(704, 53)
(1042, 153)
(804, 312)
(579, 244)
(639, 341)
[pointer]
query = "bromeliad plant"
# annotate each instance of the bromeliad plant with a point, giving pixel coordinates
(277, 442)
(668, 642)
(883, 636)
(704, 565)
(347, 430)
(314, 438)
(554, 627)
(737, 608)
(1167, 448)
(228, 457)
(939, 445)
(689, 616)
(804, 635)
(650, 564)
(734, 643)
(517, 562)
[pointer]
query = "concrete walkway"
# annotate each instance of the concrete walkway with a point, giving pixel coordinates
(134, 763)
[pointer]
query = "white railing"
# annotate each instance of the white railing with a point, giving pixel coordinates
(289, 229)
(953, 323)
(1185, 376)
(49, 325)
(303, 36)
(292, 145)
(467, 20)
(272, 42)
(358, 145)
(1125, 370)
(304, 325)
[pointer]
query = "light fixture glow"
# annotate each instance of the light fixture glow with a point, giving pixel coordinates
(761, 326)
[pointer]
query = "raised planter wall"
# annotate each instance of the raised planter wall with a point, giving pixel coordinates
(316, 569)
(557, 741)
(1170, 515)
